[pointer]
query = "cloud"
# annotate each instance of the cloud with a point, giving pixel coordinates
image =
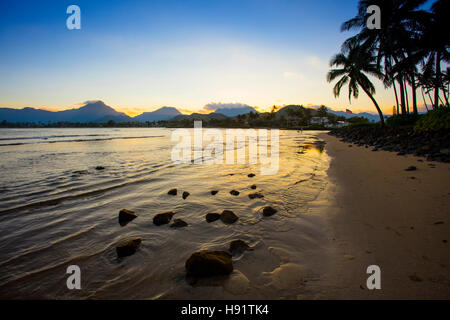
(88, 101)
(293, 75)
(316, 63)
(214, 106)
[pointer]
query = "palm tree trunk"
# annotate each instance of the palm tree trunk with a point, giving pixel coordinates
(402, 89)
(431, 99)
(376, 105)
(424, 100)
(445, 97)
(437, 80)
(402, 95)
(406, 95)
(414, 96)
(396, 96)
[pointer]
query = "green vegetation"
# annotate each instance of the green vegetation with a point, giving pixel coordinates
(435, 120)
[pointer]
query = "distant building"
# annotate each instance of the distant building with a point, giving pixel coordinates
(319, 120)
(340, 124)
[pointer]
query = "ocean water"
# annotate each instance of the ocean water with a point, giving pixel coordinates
(57, 210)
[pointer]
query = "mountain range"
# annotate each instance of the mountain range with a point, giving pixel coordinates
(93, 111)
(98, 111)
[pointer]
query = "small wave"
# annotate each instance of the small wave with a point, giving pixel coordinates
(78, 140)
(52, 137)
(58, 200)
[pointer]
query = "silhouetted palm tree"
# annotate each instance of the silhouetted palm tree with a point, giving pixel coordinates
(358, 61)
(398, 23)
(435, 44)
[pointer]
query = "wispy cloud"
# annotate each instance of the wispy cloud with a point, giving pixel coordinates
(214, 106)
(317, 63)
(293, 75)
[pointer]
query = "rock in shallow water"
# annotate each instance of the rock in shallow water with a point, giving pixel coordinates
(172, 192)
(128, 248)
(99, 168)
(185, 194)
(228, 217)
(209, 263)
(214, 192)
(269, 211)
(178, 223)
(255, 195)
(163, 218)
(239, 246)
(411, 168)
(253, 187)
(234, 192)
(251, 175)
(126, 216)
(211, 217)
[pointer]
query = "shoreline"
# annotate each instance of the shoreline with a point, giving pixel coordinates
(386, 216)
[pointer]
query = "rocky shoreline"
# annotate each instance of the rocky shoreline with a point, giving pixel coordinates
(435, 146)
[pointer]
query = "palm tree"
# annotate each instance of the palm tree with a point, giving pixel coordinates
(398, 22)
(358, 61)
(435, 44)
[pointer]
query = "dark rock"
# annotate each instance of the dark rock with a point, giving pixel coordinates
(375, 149)
(255, 195)
(439, 222)
(185, 194)
(251, 175)
(238, 247)
(253, 187)
(433, 145)
(99, 168)
(269, 211)
(411, 168)
(401, 153)
(234, 192)
(211, 217)
(128, 248)
(163, 218)
(178, 223)
(228, 217)
(172, 192)
(209, 263)
(214, 192)
(126, 216)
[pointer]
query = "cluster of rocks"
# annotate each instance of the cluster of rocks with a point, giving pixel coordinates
(435, 146)
(201, 263)
(174, 192)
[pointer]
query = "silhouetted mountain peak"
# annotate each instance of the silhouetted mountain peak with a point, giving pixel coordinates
(91, 111)
(163, 113)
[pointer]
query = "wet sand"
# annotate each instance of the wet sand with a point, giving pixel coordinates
(386, 216)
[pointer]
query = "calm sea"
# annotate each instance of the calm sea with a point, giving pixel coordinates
(57, 209)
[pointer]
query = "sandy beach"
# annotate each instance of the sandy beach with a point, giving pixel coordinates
(386, 216)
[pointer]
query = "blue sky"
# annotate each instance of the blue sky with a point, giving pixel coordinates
(140, 55)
